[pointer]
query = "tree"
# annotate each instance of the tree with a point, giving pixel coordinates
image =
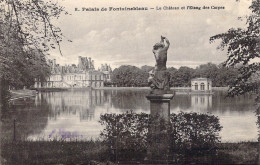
(29, 21)
(147, 68)
(183, 76)
(26, 35)
(128, 75)
(208, 70)
(173, 74)
(225, 76)
(242, 47)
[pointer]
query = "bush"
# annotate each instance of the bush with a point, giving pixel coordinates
(129, 136)
(125, 135)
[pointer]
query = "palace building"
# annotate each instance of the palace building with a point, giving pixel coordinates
(107, 71)
(201, 85)
(73, 76)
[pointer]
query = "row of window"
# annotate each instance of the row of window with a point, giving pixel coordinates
(55, 84)
(75, 77)
(202, 86)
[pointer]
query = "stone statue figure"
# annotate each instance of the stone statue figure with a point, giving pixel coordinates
(160, 53)
(159, 77)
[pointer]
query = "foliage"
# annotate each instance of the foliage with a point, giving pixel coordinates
(181, 77)
(92, 152)
(242, 47)
(147, 68)
(26, 34)
(24, 70)
(208, 70)
(195, 133)
(52, 152)
(29, 21)
(128, 76)
(127, 135)
(221, 76)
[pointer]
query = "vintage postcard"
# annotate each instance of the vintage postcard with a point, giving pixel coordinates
(129, 82)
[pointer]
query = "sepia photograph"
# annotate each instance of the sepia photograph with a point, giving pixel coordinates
(109, 82)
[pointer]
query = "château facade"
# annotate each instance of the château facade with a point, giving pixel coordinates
(107, 71)
(201, 85)
(73, 76)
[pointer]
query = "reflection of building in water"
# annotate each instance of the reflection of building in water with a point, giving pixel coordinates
(83, 75)
(201, 84)
(200, 101)
(82, 103)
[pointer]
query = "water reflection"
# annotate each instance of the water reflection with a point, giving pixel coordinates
(202, 102)
(29, 119)
(82, 103)
(77, 112)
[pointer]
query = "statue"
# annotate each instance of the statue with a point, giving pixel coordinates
(159, 77)
(160, 53)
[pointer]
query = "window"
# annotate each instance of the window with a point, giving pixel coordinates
(202, 86)
(196, 86)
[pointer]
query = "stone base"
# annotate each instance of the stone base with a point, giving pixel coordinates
(160, 105)
(159, 149)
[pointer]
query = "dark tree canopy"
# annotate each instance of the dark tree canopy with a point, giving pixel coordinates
(127, 75)
(147, 68)
(182, 77)
(220, 76)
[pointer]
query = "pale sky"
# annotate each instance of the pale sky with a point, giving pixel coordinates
(127, 37)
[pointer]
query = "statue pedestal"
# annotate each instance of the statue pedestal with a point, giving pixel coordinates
(160, 105)
(159, 150)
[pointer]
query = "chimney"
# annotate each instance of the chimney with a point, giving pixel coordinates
(92, 65)
(86, 62)
(79, 62)
(89, 62)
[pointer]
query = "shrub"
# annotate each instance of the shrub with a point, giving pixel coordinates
(129, 136)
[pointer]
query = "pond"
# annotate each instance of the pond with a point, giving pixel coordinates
(75, 114)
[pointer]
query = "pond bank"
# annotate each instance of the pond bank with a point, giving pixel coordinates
(120, 88)
(148, 88)
(18, 94)
(93, 152)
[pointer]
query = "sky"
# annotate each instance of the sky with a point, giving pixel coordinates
(127, 37)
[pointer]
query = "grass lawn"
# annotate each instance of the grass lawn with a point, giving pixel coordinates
(93, 152)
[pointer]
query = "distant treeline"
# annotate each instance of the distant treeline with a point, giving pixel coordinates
(127, 75)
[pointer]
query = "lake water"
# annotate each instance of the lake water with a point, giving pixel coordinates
(74, 114)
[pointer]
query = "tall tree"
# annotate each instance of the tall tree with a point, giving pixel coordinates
(208, 70)
(128, 75)
(183, 76)
(147, 68)
(26, 35)
(225, 76)
(242, 47)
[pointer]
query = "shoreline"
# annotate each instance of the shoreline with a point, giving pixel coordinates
(23, 93)
(119, 88)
